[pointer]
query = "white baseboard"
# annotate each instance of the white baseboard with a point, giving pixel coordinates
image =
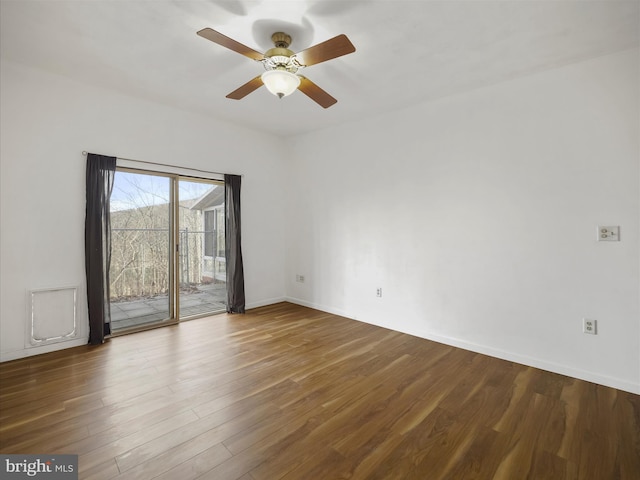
(542, 364)
(322, 308)
(29, 352)
(264, 303)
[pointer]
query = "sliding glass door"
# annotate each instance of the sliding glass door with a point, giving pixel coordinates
(165, 246)
(201, 261)
(140, 273)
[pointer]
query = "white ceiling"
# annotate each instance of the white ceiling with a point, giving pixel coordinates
(406, 51)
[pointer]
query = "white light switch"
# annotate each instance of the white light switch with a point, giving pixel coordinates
(608, 234)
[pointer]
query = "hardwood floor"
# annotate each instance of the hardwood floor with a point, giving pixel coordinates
(286, 392)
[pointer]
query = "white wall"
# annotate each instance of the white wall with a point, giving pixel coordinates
(47, 121)
(477, 216)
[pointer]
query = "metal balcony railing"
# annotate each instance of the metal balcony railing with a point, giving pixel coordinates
(140, 260)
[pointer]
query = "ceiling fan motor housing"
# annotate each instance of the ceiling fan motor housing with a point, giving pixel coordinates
(280, 57)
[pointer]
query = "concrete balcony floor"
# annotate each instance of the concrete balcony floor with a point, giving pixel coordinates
(203, 299)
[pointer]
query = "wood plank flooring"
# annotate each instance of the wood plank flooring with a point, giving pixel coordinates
(286, 392)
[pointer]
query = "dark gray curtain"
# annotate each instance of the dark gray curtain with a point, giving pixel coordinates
(97, 243)
(233, 250)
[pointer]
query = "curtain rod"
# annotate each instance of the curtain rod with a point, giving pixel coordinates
(84, 152)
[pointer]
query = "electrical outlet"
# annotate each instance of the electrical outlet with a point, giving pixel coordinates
(379, 292)
(590, 326)
(609, 234)
(300, 278)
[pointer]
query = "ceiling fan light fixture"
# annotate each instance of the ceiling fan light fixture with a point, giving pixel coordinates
(281, 64)
(280, 82)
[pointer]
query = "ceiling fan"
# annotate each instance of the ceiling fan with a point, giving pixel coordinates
(281, 65)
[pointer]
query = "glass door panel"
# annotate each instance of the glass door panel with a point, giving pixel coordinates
(140, 270)
(201, 259)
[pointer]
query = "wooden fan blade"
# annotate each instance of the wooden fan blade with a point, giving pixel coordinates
(315, 93)
(246, 89)
(230, 43)
(332, 48)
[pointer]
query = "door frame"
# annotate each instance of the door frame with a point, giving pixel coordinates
(173, 250)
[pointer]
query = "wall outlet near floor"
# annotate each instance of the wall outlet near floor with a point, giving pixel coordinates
(590, 326)
(300, 278)
(379, 292)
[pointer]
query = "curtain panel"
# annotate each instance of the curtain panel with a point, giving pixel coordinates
(97, 241)
(233, 248)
